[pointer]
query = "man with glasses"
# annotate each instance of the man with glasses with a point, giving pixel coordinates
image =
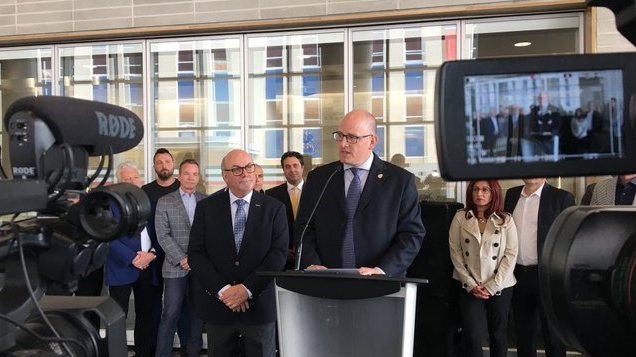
(235, 234)
(359, 212)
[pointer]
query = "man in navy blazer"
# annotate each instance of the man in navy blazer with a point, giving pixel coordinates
(387, 227)
(233, 299)
(127, 270)
(534, 207)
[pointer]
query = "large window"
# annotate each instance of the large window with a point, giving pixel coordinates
(23, 72)
(195, 108)
(394, 78)
(110, 73)
(295, 97)
(273, 92)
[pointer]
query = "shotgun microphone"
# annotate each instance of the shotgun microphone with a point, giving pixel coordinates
(311, 216)
(100, 128)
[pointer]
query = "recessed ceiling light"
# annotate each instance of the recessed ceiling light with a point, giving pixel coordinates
(523, 44)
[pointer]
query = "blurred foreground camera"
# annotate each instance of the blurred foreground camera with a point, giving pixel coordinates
(588, 279)
(50, 140)
(587, 270)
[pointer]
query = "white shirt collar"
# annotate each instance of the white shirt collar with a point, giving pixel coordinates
(365, 165)
(299, 186)
(537, 192)
(247, 197)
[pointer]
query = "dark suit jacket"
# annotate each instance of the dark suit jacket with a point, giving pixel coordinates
(215, 263)
(516, 130)
(553, 202)
(388, 229)
(549, 122)
(280, 193)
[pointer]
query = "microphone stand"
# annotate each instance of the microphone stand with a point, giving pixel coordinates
(299, 252)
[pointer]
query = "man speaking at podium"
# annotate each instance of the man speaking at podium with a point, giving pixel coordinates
(360, 212)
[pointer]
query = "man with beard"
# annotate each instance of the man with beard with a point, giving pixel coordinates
(166, 182)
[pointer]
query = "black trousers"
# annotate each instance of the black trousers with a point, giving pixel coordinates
(477, 313)
(145, 292)
(527, 309)
(257, 340)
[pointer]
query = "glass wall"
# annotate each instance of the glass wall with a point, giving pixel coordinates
(394, 73)
(196, 102)
(110, 73)
(274, 92)
(23, 72)
(296, 97)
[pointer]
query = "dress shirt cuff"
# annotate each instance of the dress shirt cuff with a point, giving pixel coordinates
(220, 293)
(249, 293)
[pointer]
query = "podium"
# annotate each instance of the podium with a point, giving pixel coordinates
(334, 313)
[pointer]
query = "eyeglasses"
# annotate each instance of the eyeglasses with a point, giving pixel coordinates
(484, 190)
(238, 170)
(351, 139)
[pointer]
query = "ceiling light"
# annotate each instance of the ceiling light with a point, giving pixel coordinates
(523, 44)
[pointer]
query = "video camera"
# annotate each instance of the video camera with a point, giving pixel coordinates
(50, 141)
(587, 270)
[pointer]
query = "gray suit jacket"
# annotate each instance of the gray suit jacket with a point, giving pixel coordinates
(173, 232)
(605, 193)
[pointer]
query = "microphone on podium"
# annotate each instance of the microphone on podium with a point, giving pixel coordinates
(299, 252)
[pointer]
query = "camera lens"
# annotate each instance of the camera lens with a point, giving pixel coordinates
(109, 212)
(587, 279)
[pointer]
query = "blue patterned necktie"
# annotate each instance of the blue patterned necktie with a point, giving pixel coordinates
(239, 223)
(353, 196)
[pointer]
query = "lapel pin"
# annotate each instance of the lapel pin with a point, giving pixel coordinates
(380, 176)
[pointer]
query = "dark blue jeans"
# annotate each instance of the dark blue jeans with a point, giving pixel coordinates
(174, 297)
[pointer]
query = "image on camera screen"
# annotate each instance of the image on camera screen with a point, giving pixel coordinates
(544, 117)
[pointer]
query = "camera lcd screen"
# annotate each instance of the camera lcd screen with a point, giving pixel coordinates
(534, 117)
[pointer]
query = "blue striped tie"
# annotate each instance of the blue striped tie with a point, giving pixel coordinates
(239, 223)
(353, 196)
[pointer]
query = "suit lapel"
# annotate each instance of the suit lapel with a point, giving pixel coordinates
(337, 189)
(181, 210)
(224, 217)
(375, 179)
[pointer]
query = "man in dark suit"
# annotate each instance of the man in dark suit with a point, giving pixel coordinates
(386, 231)
(534, 207)
(289, 193)
(127, 270)
(545, 126)
(515, 132)
(235, 234)
(489, 129)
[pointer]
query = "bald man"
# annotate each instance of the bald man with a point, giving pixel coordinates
(368, 217)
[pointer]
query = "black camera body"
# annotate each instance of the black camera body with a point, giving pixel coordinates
(50, 140)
